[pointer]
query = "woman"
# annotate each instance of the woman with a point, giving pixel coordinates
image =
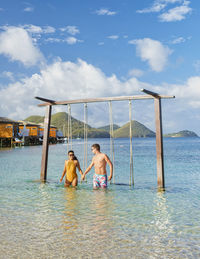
(71, 164)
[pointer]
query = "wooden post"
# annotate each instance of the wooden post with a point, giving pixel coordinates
(45, 147)
(159, 143)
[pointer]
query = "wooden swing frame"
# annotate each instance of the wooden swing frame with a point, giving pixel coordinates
(158, 123)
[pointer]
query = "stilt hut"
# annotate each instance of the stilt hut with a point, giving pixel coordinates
(30, 132)
(52, 133)
(8, 131)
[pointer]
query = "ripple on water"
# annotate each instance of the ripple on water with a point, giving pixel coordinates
(49, 221)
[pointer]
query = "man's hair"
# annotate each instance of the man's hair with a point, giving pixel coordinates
(97, 146)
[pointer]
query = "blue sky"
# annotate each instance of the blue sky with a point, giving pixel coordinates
(78, 49)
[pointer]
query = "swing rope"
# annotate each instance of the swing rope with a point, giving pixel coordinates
(69, 129)
(112, 153)
(131, 182)
(85, 136)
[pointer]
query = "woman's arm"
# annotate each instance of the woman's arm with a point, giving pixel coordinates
(79, 168)
(64, 172)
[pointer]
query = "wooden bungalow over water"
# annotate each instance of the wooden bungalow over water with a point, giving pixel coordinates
(52, 133)
(8, 131)
(30, 132)
(13, 133)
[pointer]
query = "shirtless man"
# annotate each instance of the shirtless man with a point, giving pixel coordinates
(99, 162)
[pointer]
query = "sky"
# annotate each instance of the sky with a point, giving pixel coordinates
(65, 50)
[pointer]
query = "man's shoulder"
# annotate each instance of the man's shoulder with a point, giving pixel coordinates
(103, 156)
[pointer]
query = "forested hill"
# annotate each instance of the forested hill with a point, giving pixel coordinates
(60, 120)
(138, 130)
(107, 127)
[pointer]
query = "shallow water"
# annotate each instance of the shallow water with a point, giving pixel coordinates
(50, 221)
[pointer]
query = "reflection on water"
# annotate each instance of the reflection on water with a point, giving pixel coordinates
(71, 210)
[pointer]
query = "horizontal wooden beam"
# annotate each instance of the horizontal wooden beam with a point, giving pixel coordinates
(156, 95)
(45, 100)
(103, 99)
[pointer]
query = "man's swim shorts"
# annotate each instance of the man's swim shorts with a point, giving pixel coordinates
(99, 180)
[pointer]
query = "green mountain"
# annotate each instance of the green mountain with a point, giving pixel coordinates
(60, 120)
(107, 127)
(138, 130)
(180, 134)
(35, 119)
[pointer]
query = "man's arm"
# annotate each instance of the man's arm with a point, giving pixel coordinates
(88, 169)
(111, 167)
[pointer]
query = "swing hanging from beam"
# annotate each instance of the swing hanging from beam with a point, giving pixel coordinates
(85, 133)
(158, 121)
(69, 129)
(112, 153)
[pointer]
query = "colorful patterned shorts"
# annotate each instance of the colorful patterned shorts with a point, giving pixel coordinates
(99, 180)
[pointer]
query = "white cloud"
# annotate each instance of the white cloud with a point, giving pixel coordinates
(156, 7)
(48, 29)
(16, 44)
(32, 28)
(178, 40)
(176, 14)
(152, 51)
(28, 9)
(83, 80)
(52, 40)
(7, 74)
(188, 93)
(113, 37)
(72, 40)
(69, 40)
(136, 73)
(105, 11)
(39, 30)
(73, 30)
(80, 79)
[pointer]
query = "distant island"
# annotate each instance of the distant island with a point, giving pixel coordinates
(181, 134)
(60, 120)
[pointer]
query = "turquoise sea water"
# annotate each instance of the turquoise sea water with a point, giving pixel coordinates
(49, 221)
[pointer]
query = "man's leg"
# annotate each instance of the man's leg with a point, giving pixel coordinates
(96, 183)
(103, 182)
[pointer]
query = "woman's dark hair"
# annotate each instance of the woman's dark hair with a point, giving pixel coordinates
(71, 151)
